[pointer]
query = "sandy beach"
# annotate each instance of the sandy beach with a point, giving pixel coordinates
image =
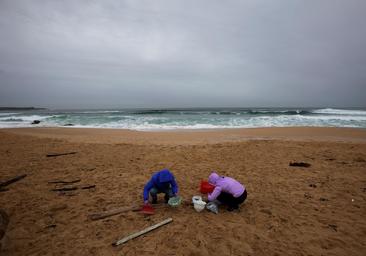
(319, 210)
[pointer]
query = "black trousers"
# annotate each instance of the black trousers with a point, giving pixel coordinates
(230, 200)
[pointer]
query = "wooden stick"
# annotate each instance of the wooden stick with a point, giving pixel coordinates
(142, 232)
(64, 182)
(4, 221)
(87, 186)
(102, 215)
(299, 164)
(65, 189)
(60, 154)
(12, 180)
(105, 214)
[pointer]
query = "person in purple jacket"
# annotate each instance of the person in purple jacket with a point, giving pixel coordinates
(160, 182)
(227, 191)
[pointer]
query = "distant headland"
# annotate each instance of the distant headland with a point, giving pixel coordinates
(21, 108)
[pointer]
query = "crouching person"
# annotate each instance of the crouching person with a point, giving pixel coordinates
(160, 182)
(227, 191)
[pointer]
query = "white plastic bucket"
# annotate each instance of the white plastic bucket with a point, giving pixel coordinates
(196, 199)
(198, 204)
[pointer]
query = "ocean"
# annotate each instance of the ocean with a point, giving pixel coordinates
(197, 118)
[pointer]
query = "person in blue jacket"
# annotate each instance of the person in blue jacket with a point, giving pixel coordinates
(160, 182)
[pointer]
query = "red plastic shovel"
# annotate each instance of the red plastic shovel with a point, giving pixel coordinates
(147, 209)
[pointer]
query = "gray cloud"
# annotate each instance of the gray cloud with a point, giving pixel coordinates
(182, 53)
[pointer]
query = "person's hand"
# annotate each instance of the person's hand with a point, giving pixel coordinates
(146, 202)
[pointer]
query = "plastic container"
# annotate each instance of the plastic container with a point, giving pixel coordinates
(175, 201)
(198, 204)
(196, 199)
(206, 187)
(213, 207)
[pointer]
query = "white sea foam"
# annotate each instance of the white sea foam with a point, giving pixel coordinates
(97, 111)
(22, 120)
(7, 114)
(339, 111)
(188, 120)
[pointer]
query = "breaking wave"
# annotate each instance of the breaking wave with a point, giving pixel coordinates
(167, 119)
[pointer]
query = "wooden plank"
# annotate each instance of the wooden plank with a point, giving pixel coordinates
(88, 186)
(64, 182)
(64, 189)
(71, 188)
(60, 154)
(4, 221)
(12, 180)
(102, 215)
(142, 232)
(299, 164)
(105, 214)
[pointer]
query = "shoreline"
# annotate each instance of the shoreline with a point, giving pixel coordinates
(201, 136)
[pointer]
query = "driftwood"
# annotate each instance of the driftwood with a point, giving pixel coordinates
(109, 213)
(60, 154)
(88, 187)
(71, 188)
(57, 208)
(50, 226)
(65, 189)
(332, 226)
(90, 169)
(12, 180)
(64, 182)
(299, 164)
(142, 232)
(4, 221)
(102, 215)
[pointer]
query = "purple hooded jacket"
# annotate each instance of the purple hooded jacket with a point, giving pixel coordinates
(224, 184)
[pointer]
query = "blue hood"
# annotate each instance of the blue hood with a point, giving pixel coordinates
(165, 176)
(161, 180)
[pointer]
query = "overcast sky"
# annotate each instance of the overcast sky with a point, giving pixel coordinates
(103, 54)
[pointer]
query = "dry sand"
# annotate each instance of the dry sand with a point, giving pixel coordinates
(318, 210)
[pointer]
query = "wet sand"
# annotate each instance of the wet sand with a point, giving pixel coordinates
(189, 137)
(318, 210)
